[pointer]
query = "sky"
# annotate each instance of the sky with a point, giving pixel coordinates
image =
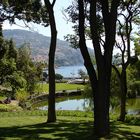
(63, 27)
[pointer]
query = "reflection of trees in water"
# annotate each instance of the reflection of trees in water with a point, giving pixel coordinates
(133, 103)
(114, 104)
(88, 104)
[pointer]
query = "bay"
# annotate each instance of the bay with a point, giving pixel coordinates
(69, 71)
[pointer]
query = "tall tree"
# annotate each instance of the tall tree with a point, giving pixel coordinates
(129, 11)
(93, 12)
(51, 70)
(27, 67)
(9, 75)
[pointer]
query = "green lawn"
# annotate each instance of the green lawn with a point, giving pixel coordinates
(77, 127)
(59, 87)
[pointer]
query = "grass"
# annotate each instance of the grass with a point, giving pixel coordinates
(69, 126)
(59, 87)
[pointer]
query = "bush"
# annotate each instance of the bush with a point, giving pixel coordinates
(22, 96)
(58, 76)
(133, 120)
(134, 89)
(9, 108)
(88, 91)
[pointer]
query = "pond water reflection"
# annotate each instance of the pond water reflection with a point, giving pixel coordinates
(133, 106)
(80, 103)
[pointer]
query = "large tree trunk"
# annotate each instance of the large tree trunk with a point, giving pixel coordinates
(51, 69)
(101, 87)
(123, 85)
(101, 107)
(101, 82)
(103, 60)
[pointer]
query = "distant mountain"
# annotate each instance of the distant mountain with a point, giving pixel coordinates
(65, 55)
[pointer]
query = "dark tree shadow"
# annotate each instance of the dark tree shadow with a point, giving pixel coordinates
(65, 130)
(122, 132)
(59, 130)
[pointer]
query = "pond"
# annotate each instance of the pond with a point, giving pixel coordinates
(133, 106)
(82, 104)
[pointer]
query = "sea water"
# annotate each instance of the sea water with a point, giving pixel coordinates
(69, 71)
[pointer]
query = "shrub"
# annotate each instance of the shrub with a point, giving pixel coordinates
(133, 120)
(22, 96)
(9, 108)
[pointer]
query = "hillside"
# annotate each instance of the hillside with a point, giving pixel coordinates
(39, 44)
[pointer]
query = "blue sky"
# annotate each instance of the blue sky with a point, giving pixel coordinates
(63, 27)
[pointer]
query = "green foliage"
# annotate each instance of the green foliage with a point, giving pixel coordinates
(73, 40)
(8, 70)
(58, 76)
(9, 74)
(21, 95)
(2, 97)
(137, 46)
(7, 67)
(17, 69)
(16, 80)
(133, 120)
(115, 85)
(82, 74)
(133, 74)
(32, 71)
(9, 108)
(88, 91)
(114, 102)
(27, 10)
(12, 51)
(7, 62)
(134, 89)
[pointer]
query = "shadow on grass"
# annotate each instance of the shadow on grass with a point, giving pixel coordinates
(59, 130)
(65, 130)
(124, 131)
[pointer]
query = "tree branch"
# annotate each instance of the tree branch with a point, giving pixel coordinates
(94, 34)
(117, 71)
(83, 48)
(53, 3)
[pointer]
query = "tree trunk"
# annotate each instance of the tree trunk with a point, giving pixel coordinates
(101, 104)
(100, 82)
(123, 96)
(1, 34)
(51, 69)
(100, 87)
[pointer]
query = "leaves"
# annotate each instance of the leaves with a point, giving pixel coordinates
(26, 10)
